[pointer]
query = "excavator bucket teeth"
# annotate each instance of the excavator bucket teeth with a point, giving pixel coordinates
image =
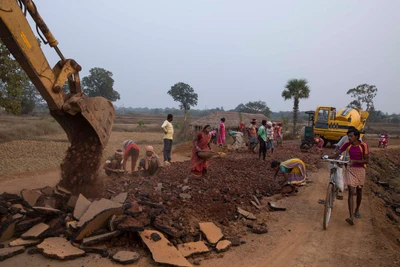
(93, 117)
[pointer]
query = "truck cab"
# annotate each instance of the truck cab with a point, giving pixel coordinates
(332, 125)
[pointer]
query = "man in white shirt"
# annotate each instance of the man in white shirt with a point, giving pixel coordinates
(270, 137)
(168, 136)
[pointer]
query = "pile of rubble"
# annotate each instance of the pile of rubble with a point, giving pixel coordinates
(171, 215)
(64, 226)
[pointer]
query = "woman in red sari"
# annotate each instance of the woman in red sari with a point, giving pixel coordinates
(199, 166)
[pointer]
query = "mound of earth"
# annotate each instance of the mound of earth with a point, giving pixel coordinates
(232, 181)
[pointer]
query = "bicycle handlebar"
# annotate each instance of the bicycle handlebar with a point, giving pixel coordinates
(335, 160)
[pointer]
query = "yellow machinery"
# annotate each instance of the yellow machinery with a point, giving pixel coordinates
(79, 115)
(331, 124)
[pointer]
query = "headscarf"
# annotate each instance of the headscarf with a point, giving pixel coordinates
(205, 126)
(126, 143)
(147, 159)
(241, 125)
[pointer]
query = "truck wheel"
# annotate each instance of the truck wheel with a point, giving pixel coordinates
(306, 145)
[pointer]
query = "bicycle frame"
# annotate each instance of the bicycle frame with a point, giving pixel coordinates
(332, 189)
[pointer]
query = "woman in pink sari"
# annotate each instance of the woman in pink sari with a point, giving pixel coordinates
(199, 166)
(221, 137)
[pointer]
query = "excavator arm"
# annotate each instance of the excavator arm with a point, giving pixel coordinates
(75, 112)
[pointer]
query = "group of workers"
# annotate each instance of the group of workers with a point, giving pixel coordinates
(294, 170)
(150, 164)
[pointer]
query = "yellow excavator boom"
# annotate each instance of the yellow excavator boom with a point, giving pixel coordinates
(74, 111)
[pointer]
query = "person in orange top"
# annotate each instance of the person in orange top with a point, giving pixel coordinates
(252, 130)
(130, 150)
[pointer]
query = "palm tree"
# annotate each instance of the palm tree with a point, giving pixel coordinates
(296, 89)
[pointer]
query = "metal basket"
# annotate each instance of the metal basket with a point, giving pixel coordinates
(206, 154)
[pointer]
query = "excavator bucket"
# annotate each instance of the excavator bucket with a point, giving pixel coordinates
(86, 117)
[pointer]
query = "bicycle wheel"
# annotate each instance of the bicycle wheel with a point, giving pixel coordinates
(328, 205)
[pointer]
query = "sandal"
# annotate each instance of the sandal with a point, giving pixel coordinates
(357, 214)
(321, 201)
(350, 221)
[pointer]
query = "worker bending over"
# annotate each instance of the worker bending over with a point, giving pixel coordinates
(150, 163)
(113, 164)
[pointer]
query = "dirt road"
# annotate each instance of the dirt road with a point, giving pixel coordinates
(296, 237)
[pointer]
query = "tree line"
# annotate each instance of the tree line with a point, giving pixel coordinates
(19, 96)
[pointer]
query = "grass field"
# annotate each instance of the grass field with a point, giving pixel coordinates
(34, 143)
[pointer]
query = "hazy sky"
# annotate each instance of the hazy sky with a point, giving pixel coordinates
(232, 52)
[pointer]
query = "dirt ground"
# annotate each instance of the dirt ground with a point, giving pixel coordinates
(295, 237)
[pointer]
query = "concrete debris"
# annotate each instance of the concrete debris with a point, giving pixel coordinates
(97, 216)
(235, 241)
(72, 225)
(7, 229)
(81, 206)
(126, 257)
(130, 225)
(223, 245)
(96, 208)
(36, 231)
(164, 224)
(101, 250)
(111, 223)
(163, 251)
(258, 229)
(88, 241)
(188, 249)
(211, 231)
(20, 207)
(246, 214)
(25, 243)
(47, 211)
(30, 196)
(256, 200)
(25, 225)
(6, 253)
(255, 204)
(48, 190)
(63, 190)
(60, 248)
(120, 198)
(72, 202)
(273, 207)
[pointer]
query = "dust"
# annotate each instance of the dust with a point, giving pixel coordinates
(79, 169)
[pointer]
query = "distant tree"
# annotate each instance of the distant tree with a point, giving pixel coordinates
(364, 94)
(30, 98)
(100, 83)
(12, 81)
(184, 93)
(296, 89)
(354, 104)
(255, 107)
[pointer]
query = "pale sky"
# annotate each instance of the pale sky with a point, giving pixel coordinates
(233, 51)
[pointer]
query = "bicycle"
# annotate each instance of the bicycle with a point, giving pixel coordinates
(332, 190)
